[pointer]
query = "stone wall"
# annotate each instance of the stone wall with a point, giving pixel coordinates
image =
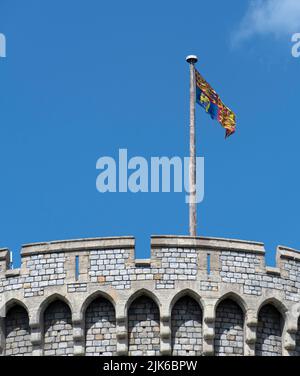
(192, 296)
(58, 330)
(186, 327)
(269, 332)
(100, 327)
(17, 332)
(143, 327)
(229, 329)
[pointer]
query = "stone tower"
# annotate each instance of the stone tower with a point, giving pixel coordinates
(194, 296)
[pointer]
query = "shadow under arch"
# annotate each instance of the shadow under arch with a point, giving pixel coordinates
(13, 302)
(98, 313)
(93, 296)
(236, 298)
(16, 329)
(281, 308)
(229, 325)
(186, 312)
(143, 310)
(271, 321)
(49, 300)
(56, 318)
(186, 293)
(139, 293)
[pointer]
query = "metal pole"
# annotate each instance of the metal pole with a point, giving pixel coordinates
(192, 59)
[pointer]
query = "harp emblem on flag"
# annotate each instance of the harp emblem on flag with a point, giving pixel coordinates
(204, 100)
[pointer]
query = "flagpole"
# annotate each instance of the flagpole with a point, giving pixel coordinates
(192, 60)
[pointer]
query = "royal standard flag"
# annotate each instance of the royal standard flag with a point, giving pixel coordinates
(211, 102)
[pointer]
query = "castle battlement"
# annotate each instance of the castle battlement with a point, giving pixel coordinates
(179, 301)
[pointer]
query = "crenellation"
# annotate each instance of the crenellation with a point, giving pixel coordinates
(223, 281)
(4, 261)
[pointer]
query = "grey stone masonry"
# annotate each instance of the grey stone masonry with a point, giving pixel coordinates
(58, 331)
(143, 327)
(269, 332)
(17, 332)
(100, 326)
(229, 329)
(186, 326)
(192, 296)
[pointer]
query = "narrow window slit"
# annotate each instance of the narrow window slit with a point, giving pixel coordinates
(77, 268)
(208, 264)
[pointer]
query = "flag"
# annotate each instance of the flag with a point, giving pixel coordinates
(207, 98)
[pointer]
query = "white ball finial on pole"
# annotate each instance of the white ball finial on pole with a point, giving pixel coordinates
(191, 59)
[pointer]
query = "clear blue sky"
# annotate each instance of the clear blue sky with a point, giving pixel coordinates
(85, 78)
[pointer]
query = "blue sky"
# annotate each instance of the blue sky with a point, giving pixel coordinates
(83, 79)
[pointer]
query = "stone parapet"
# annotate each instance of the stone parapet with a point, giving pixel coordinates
(100, 277)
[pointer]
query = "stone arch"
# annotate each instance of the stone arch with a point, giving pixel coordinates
(269, 330)
(278, 304)
(13, 301)
(143, 326)
(100, 327)
(17, 330)
(57, 327)
(236, 298)
(186, 325)
(95, 295)
(186, 292)
(47, 301)
(143, 292)
(229, 327)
